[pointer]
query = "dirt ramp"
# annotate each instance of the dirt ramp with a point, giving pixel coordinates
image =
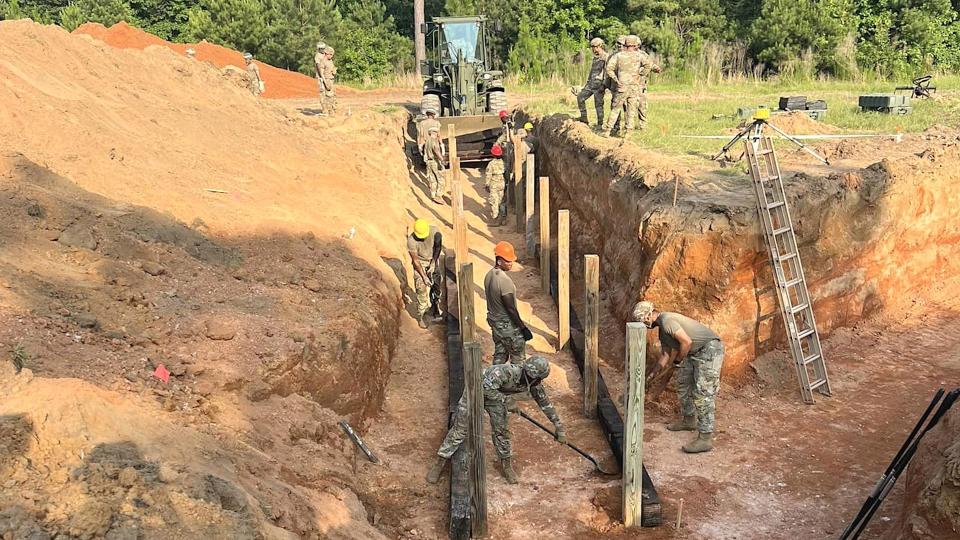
(870, 238)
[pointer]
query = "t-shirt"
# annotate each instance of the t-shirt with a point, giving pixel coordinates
(432, 150)
(496, 284)
(670, 323)
(423, 248)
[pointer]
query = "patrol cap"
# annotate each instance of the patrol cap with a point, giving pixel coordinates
(631, 41)
(621, 40)
(247, 56)
(328, 50)
(596, 42)
(321, 46)
(642, 309)
(430, 110)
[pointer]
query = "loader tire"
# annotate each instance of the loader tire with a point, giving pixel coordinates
(496, 101)
(430, 101)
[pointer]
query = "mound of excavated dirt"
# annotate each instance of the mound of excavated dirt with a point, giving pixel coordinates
(870, 239)
(797, 123)
(279, 83)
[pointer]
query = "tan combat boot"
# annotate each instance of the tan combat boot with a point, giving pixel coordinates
(687, 423)
(703, 443)
(434, 475)
(506, 466)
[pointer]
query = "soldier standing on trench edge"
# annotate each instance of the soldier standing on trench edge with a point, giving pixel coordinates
(500, 382)
(698, 353)
(253, 75)
(594, 87)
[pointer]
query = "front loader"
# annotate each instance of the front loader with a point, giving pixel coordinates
(461, 85)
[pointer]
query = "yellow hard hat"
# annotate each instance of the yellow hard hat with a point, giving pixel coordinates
(528, 126)
(421, 228)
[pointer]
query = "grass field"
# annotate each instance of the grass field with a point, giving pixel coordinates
(677, 110)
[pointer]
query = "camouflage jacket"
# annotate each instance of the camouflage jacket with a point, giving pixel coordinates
(629, 70)
(328, 71)
(493, 174)
(598, 71)
(502, 380)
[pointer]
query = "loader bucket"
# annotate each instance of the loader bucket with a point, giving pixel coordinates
(476, 135)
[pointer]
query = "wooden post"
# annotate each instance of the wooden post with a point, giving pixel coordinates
(563, 277)
(473, 375)
(528, 209)
(517, 171)
(591, 334)
(545, 233)
(635, 367)
(452, 147)
(459, 224)
(522, 204)
(468, 326)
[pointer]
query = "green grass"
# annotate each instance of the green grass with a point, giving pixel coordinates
(676, 109)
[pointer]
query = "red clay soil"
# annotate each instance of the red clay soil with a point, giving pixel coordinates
(280, 83)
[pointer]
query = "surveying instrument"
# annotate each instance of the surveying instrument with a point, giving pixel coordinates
(754, 132)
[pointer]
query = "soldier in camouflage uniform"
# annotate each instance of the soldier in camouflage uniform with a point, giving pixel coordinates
(496, 185)
(698, 353)
(628, 70)
(253, 75)
(424, 245)
(326, 73)
(610, 85)
(594, 86)
(433, 157)
(505, 141)
(500, 382)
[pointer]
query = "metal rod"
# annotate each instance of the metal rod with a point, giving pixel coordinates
(356, 439)
(587, 456)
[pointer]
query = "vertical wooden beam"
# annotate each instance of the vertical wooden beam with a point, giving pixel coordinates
(522, 204)
(545, 247)
(452, 147)
(591, 334)
(529, 207)
(478, 469)
(419, 38)
(635, 367)
(517, 172)
(468, 326)
(459, 224)
(563, 277)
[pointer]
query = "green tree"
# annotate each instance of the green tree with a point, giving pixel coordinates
(240, 24)
(787, 30)
(294, 28)
(164, 18)
(368, 45)
(105, 12)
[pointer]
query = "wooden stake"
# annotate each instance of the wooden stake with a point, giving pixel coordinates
(679, 513)
(473, 374)
(545, 233)
(529, 207)
(635, 367)
(676, 188)
(517, 171)
(522, 205)
(452, 146)
(591, 334)
(468, 325)
(459, 223)
(563, 277)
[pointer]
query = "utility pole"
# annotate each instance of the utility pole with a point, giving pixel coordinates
(419, 43)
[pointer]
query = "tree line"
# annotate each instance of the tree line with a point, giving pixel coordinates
(709, 39)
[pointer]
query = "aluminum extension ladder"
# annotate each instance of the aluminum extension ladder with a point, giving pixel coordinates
(792, 294)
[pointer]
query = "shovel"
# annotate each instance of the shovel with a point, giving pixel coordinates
(587, 456)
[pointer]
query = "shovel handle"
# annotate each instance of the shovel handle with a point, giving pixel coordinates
(554, 435)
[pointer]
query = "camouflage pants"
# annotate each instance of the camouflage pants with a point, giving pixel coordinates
(597, 91)
(508, 343)
(500, 431)
(642, 111)
(697, 383)
(435, 179)
(328, 100)
(631, 101)
(422, 290)
(496, 199)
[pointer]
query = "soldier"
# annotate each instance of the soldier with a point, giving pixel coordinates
(499, 382)
(326, 73)
(698, 352)
(509, 332)
(433, 157)
(319, 60)
(191, 53)
(644, 79)
(594, 85)
(608, 83)
(423, 128)
(424, 246)
(253, 75)
(496, 185)
(628, 70)
(505, 140)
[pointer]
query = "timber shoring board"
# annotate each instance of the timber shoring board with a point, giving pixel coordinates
(459, 465)
(608, 415)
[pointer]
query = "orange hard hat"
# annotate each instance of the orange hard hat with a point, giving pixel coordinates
(504, 114)
(505, 251)
(496, 150)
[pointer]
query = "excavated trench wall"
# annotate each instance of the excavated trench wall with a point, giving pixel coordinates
(869, 238)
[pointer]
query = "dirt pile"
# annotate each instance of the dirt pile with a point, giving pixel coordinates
(159, 214)
(872, 238)
(279, 83)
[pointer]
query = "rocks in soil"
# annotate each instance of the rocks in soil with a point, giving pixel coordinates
(219, 330)
(86, 320)
(152, 268)
(258, 391)
(312, 285)
(34, 209)
(78, 235)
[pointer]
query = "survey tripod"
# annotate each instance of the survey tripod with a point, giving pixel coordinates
(754, 132)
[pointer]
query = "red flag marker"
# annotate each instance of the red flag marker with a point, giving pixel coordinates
(162, 373)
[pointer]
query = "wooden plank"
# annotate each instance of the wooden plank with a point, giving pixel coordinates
(468, 325)
(459, 526)
(591, 333)
(517, 170)
(530, 206)
(459, 224)
(563, 276)
(452, 147)
(635, 367)
(478, 470)
(522, 204)
(545, 247)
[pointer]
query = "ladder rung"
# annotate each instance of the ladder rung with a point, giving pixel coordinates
(787, 257)
(793, 282)
(781, 230)
(810, 359)
(773, 205)
(817, 384)
(805, 333)
(798, 309)
(764, 152)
